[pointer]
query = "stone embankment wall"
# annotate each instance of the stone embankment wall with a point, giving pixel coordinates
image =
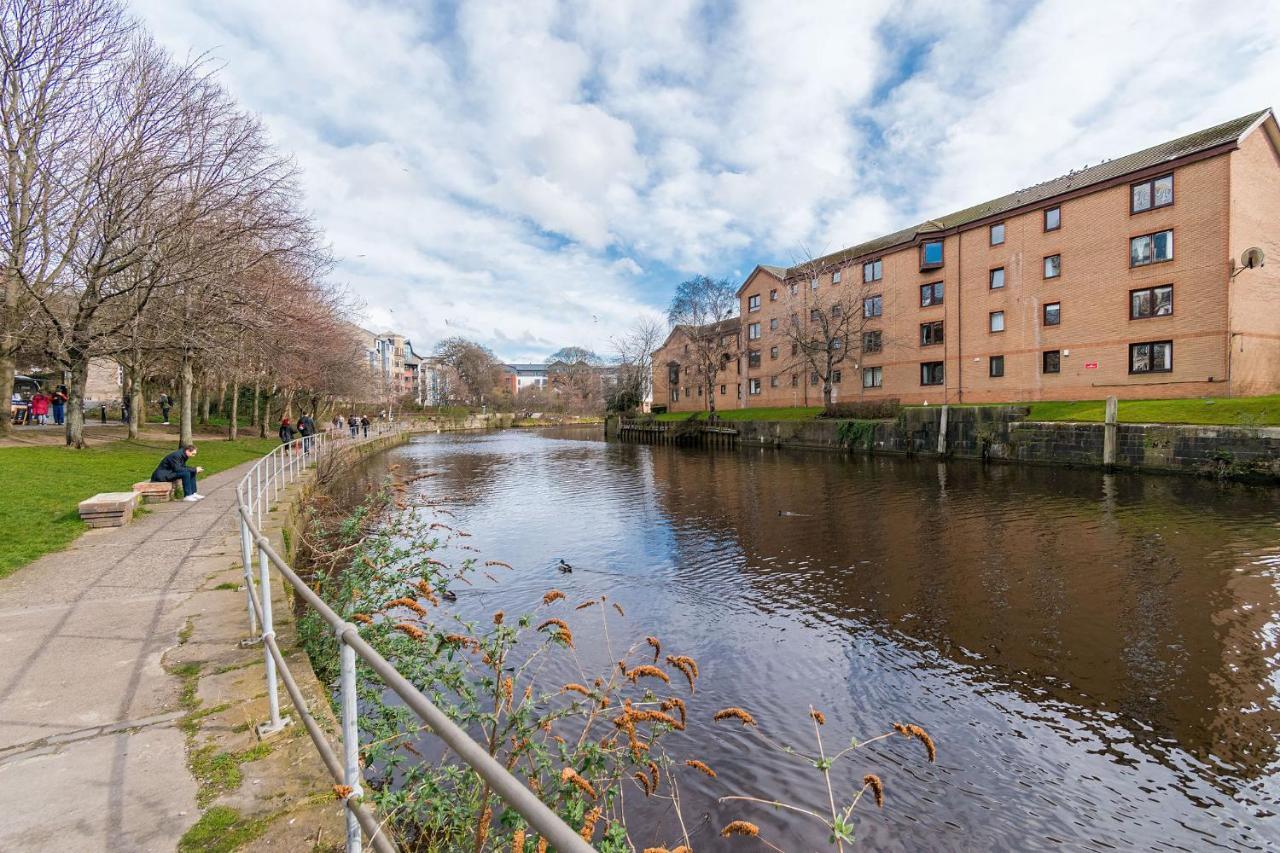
(1002, 433)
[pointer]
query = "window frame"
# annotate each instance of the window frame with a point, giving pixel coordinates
(991, 234)
(942, 375)
(991, 278)
(1151, 290)
(874, 371)
(942, 258)
(754, 387)
(932, 325)
(1058, 209)
(753, 302)
(991, 317)
(875, 268)
(1166, 342)
(836, 376)
(878, 299)
(835, 277)
(753, 331)
(1045, 266)
(937, 290)
(879, 339)
(991, 367)
(753, 359)
(1152, 237)
(1150, 183)
(1044, 362)
(773, 294)
(773, 353)
(1044, 314)
(773, 324)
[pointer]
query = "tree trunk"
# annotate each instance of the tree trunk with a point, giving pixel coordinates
(7, 370)
(826, 391)
(133, 376)
(75, 402)
(186, 379)
(235, 411)
(206, 399)
(257, 400)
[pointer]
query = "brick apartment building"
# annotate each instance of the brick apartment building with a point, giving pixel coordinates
(678, 383)
(1122, 279)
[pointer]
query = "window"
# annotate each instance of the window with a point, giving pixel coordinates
(835, 277)
(773, 382)
(773, 324)
(997, 234)
(773, 353)
(814, 315)
(1151, 302)
(997, 278)
(739, 390)
(753, 332)
(795, 380)
(699, 390)
(836, 343)
(813, 284)
(1052, 313)
(930, 254)
(813, 378)
(753, 386)
(675, 395)
(930, 294)
(931, 373)
(871, 342)
(795, 321)
(873, 306)
(835, 377)
(795, 349)
(1051, 361)
(673, 374)
(873, 270)
(995, 366)
(753, 358)
(724, 390)
(1052, 218)
(995, 322)
(1053, 266)
(1151, 249)
(794, 288)
(773, 295)
(930, 333)
(837, 310)
(872, 377)
(1152, 357)
(753, 303)
(1149, 195)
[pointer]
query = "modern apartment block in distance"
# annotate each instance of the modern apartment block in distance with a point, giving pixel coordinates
(1124, 279)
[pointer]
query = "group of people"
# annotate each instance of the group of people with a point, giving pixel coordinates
(38, 408)
(354, 423)
(306, 427)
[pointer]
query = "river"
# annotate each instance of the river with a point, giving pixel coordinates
(1094, 655)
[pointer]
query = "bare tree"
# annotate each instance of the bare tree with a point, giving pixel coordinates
(474, 370)
(635, 351)
(700, 306)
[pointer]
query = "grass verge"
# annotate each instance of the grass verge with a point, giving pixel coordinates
(43, 485)
(797, 413)
(221, 830)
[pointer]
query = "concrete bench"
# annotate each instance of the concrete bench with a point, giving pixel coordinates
(153, 493)
(109, 509)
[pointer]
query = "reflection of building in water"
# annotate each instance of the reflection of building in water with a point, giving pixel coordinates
(1134, 605)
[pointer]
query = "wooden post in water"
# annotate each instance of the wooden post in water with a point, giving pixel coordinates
(942, 432)
(1109, 433)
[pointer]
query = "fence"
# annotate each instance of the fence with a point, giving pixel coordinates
(255, 493)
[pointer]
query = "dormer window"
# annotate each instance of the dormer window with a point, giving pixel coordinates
(930, 254)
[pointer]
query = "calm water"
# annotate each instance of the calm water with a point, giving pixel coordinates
(1096, 656)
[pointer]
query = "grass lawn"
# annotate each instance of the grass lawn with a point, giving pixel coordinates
(1219, 411)
(797, 413)
(41, 486)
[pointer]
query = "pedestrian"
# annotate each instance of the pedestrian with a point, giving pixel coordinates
(307, 428)
(40, 408)
(165, 405)
(354, 423)
(124, 411)
(174, 467)
(364, 424)
(287, 431)
(60, 396)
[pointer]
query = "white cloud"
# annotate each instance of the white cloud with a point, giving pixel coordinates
(535, 174)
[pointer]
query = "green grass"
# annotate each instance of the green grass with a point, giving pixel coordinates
(221, 830)
(40, 487)
(797, 413)
(1219, 411)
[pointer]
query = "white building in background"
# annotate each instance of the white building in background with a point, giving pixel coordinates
(529, 376)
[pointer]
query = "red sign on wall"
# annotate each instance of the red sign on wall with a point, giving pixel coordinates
(1091, 365)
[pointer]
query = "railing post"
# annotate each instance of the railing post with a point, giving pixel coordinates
(275, 724)
(350, 736)
(246, 558)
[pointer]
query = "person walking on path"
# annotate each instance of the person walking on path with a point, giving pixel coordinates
(174, 467)
(124, 410)
(364, 425)
(40, 408)
(307, 428)
(287, 432)
(59, 400)
(354, 423)
(165, 405)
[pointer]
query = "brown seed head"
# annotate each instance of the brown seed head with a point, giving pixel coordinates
(412, 630)
(406, 602)
(584, 605)
(498, 617)
(643, 781)
(570, 775)
(735, 713)
(364, 618)
(342, 791)
(657, 647)
(497, 563)
(740, 827)
(517, 841)
(873, 782)
(552, 596)
(618, 607)
(911, 730)
(589, 823)
(574, 687)
(701, 767)
(818, 716)
(646, 670)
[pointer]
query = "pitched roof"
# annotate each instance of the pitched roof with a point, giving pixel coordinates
(730, 324)
(1184, 146)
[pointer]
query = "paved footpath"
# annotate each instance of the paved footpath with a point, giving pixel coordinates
(91, 753)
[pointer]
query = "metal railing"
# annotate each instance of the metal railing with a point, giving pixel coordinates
(255, 493)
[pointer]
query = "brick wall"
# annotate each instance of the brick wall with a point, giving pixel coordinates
(1255, 293)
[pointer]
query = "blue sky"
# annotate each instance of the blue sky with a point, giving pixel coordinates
(536, 174)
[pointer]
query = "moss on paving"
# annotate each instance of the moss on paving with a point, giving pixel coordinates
(219, 772)
(36, 521)
(227, 585)
(221, 830)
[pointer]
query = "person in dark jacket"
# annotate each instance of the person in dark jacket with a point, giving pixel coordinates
(165, 405)
(60, 396)
(354, 423)
(287, 432)
(175, 467)
(306, 428)
(364, 425)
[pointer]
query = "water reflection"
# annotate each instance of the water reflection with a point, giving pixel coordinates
(1095, 655)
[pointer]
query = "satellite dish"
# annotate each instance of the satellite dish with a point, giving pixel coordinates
(1252, 258)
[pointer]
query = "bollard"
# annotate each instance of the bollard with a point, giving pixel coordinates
(1109, 433)
(942, 431)
(350, 735)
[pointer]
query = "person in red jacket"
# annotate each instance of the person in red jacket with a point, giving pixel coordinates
(40, 408)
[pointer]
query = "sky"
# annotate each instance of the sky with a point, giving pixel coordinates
(533, 175)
